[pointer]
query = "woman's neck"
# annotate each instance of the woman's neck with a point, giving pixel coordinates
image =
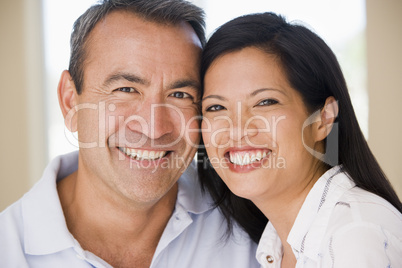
(282, 209)
(282, 212)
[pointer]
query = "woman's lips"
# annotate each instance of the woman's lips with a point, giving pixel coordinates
(247, 157)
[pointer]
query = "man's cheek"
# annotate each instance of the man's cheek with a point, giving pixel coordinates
(193, 132)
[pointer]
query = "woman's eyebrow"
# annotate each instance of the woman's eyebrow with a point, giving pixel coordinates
(214, 97)
(254, 93)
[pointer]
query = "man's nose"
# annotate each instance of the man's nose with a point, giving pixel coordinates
(154, 119)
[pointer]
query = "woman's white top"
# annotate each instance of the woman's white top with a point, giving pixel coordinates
(339, 225)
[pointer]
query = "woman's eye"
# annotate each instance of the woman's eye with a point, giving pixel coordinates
(214, 108)
(267, 102)
(126, 89)
(181, 95)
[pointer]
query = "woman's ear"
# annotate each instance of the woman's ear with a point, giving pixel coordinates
(67, 95)
(327, 118)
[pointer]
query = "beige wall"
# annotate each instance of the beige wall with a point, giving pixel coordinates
(384, 58)
(22, 135)
(12, 103)
(21, 98)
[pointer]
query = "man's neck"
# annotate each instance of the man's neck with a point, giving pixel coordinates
(121, 233)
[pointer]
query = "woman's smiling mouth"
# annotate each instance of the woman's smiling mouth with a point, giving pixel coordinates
(247, 157)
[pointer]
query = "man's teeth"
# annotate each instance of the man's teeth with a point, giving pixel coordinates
(247, 158)
(143, 154)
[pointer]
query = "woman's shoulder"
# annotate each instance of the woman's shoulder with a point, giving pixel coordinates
(363, 228)
(358, 208)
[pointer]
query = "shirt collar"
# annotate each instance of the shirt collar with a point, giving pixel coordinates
(190, 196)
(269, 245)
(312, 219)
(45, 229)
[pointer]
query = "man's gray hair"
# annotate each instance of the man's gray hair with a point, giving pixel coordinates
(159, 11)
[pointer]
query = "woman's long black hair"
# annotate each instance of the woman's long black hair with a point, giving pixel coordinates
(313, 70)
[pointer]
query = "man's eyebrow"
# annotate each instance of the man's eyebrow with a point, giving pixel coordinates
(125, 76)
(255, 92)
(186, 83)
(214, 97)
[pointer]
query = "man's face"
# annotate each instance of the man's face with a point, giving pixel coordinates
(137, 113)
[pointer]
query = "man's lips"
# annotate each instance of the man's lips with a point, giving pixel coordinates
(246, 157)
(142, 154)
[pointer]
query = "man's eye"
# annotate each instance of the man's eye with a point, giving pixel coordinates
(126, 89)
(181, 95)
(267, 102)
(214, 108)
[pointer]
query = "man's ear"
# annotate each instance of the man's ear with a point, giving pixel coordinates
(327, 118)
(67, 94)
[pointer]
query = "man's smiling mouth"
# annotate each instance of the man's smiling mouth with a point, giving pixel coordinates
(137, 154)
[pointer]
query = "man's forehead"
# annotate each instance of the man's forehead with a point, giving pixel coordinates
(125, 43)
(129, 21)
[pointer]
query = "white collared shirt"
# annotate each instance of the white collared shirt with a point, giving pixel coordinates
(341, 226)
(33, 231)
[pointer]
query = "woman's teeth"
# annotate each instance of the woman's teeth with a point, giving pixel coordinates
(247, 157)
(143, 154)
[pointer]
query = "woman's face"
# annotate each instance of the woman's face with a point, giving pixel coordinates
(252, 126)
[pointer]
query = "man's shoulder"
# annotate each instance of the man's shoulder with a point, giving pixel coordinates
(11, 217)
(32, 212)
(11, 235)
